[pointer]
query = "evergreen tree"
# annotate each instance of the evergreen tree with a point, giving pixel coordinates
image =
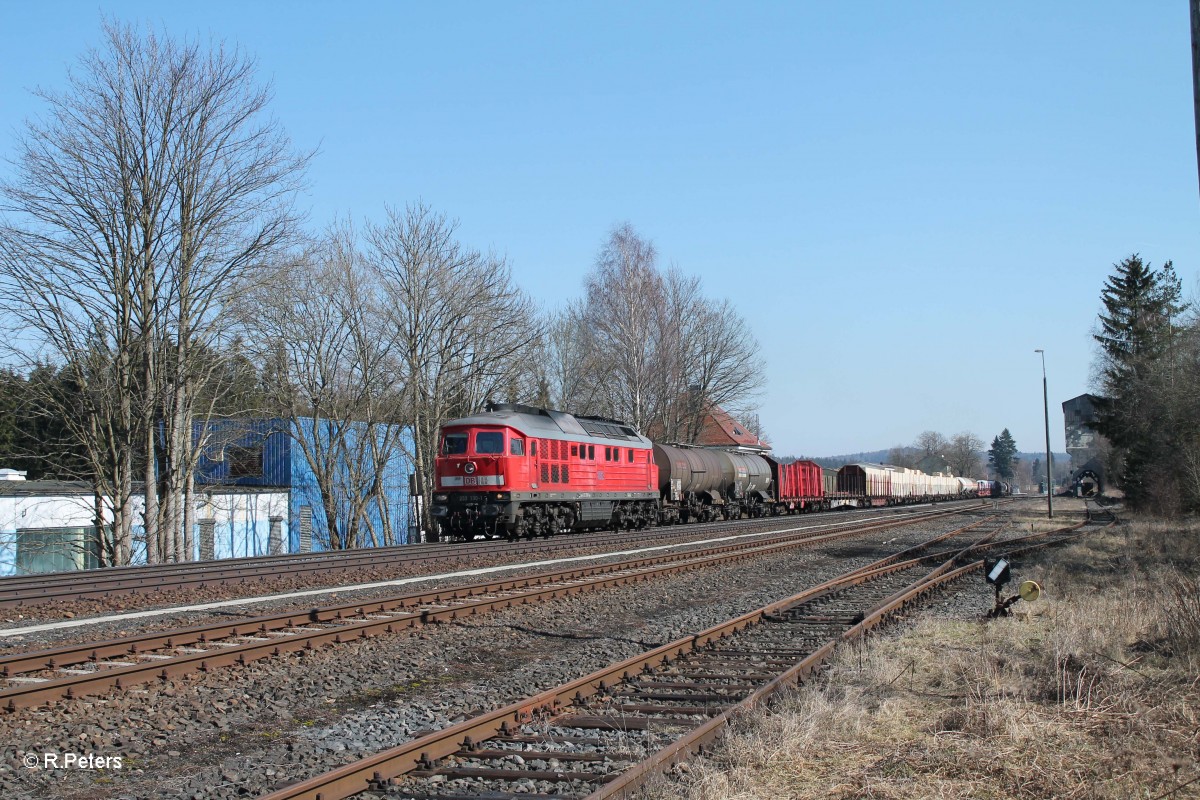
(1140, 305)
(1002, 456)
(1137, 330)
(35, 437)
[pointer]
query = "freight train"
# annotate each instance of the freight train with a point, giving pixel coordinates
(518, 471)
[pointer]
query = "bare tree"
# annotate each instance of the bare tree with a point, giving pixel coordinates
(233, 176)
(650, 348)
(462, 327)
(902, 456)
(623, 294)
(679, 403)
(965, 454)
(323, 324)
(75, 256)
(574, 369)
(153, 184)
(931, 443)
(723, 365)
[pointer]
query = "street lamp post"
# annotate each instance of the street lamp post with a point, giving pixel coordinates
(1049, 463)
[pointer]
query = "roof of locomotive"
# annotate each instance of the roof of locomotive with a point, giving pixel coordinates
(547, 423)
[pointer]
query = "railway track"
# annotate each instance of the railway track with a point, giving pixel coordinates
(26, 591)
(65, 672)
(604, 735)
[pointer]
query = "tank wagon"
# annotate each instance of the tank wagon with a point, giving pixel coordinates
(704, 484)
(520, 471)
(993, 489)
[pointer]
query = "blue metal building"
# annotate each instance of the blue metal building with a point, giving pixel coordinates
(269, 455)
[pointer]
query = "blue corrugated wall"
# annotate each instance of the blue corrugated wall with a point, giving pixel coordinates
(393, 481)
(285, 465)
(223, 435)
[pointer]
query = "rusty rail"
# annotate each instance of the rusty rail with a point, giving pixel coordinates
(712, 730)
(30, 590)
(467, 740)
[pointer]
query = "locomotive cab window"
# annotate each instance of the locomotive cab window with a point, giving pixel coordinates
(631, 455)
(516, 447)
(454, 444)
(489, 443)
(533, 448)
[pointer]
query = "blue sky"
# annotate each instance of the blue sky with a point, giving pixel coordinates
(903, 199)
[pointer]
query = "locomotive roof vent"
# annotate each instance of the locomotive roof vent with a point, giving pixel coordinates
(568, 423)
(516, 408)
(608, 428)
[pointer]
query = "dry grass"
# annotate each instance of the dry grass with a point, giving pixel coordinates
(1092, 692)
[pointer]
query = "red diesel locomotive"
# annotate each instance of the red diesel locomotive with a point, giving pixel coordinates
(519, 471)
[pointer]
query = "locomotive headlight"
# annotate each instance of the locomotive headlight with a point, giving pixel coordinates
(440, 498)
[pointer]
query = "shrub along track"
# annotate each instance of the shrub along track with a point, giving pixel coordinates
(605, 734)
(66, 672)
(139, 586)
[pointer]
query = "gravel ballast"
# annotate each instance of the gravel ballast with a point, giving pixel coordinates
(240, 731)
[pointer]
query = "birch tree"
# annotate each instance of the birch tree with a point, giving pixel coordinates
(623, 293)
(650, 348)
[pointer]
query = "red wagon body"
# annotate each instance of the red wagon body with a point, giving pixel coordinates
(801, 485)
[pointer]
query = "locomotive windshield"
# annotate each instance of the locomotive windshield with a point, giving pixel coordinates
(489, 442)
(454, 444)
